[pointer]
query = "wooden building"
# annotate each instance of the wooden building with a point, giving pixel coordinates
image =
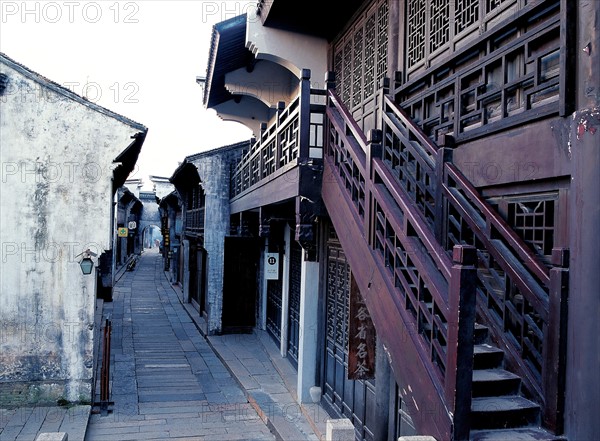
(424, 181)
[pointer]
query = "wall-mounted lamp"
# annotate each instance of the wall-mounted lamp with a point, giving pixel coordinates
(87, 264)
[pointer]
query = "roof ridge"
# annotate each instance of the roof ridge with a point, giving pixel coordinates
(56, 87)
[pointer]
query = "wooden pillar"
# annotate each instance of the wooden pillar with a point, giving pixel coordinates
(555, 341)
(374, 151)
(461, 323)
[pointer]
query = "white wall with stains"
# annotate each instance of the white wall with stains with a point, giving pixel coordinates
(56, 155)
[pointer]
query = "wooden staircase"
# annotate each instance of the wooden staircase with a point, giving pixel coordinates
(499, 411)
(398, 198)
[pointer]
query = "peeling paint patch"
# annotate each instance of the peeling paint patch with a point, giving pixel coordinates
(587, 121)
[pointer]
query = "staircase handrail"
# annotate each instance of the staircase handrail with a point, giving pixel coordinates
(513, 242)
(540, 284)
(447, 352)
(530, 260)
(430, 149)
(436, 251)
(348, 119)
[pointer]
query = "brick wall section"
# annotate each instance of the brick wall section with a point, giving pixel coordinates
(214, 169)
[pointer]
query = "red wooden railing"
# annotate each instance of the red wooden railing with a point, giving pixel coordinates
(515, 286)
(427, 295)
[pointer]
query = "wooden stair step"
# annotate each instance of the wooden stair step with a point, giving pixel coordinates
(486, 356)
(503, 412)
(495, 382)
(480, 334)
(521, 434)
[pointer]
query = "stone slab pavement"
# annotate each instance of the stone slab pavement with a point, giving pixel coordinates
(171, 381)
(26, 423)
(167, 382)
(268, 381)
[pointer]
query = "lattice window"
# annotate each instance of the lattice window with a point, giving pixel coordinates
(534, 222)
(360, 56)
(370, 36)
(338, 278)
(358, 68)
(434, 27)
(439, 27)
(498, 83)
(331, 296)
(467, 14)
(338, 68)
(382, 40)
(347, 73)
(416, 31)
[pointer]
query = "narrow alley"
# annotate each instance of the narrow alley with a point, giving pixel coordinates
(167, 381)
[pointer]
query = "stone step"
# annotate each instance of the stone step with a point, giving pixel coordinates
(486, 356)
(521, 434)
(495, 382)
(503, 412)
(480, 334)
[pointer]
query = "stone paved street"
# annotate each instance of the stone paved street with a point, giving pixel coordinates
(167, 383)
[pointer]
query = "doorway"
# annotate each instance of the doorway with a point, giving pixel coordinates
(240, 284)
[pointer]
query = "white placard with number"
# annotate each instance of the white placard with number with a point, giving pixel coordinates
(271, 266)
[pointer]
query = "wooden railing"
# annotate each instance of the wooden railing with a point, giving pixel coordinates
(295, 134)
(431, 292)
(515, 288)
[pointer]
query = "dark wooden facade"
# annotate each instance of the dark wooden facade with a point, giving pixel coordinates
(449, 173)
(471, 141)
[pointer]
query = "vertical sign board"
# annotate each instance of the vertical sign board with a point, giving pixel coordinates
(271, 266)
(361, 337)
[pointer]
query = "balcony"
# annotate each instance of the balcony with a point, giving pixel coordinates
(287, 157)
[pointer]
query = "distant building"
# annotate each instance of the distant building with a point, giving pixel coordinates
(203, 185)
(63, 159)
(149, 225)
(128, 215)
(170, 209)
(161, 186)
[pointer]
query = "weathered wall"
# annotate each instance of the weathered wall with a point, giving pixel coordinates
(215, 175)
(56, 194)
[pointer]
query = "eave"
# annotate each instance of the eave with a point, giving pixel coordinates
(326, 23)
(227, 53)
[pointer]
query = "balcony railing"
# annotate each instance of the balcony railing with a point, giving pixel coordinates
(295, 134)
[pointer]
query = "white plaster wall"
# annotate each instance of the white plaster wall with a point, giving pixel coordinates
(56, 195)
(134, 186)
(162, 188)
(249, 112)
(268, 82)
(288, 49)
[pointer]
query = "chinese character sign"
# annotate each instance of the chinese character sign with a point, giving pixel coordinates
(361, 338)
